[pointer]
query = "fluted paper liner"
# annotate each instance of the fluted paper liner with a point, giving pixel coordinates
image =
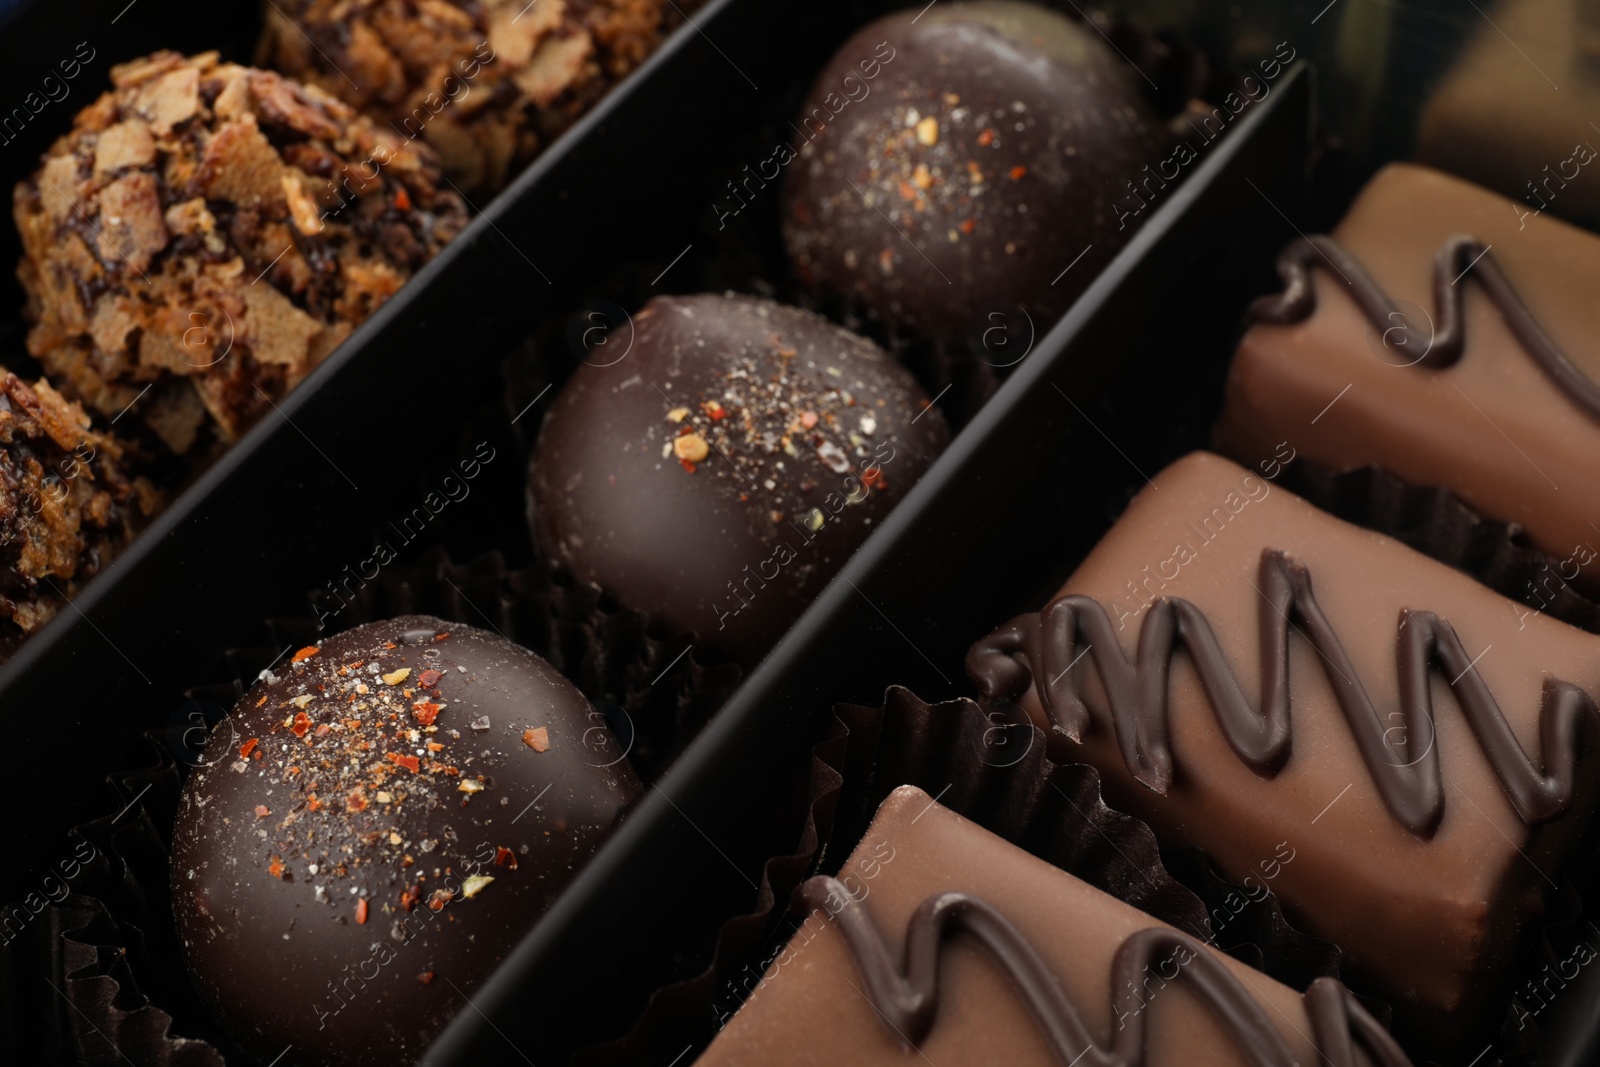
(97, 977)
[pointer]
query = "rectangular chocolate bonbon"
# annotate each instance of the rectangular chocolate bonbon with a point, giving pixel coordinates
(943, 943)
(1275, 674)
(1495, 119)
(1449, 335)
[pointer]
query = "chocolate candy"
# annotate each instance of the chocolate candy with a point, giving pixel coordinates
(957, 161)
(943, 940)
(1426, 752)
(373, 829)
(486, 85)
(1439, 335)
(1498, 118)
(206, 234)
(70, 500)
(723, 470)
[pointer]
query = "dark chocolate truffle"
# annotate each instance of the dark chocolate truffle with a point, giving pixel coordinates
(373, 829)
(956, 162)
(722, 471)
(206, 234)
(69, 502)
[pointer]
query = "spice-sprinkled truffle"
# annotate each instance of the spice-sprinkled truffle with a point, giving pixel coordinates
(210, 233)
(956, 162)
(487, 84)
(718, 475)
(375, 827)
(68, 504)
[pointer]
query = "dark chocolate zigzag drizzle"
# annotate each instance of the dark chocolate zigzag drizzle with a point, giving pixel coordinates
(1137, 693)
(907, 994)
(1459, 255)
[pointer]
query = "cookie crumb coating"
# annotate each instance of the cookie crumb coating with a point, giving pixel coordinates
(487, 83)
(207, 233)
(68, 504)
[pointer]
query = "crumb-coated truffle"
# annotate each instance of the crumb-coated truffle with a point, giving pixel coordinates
(69, 502)
(486, 82)
(373, 830)
(723, 470)
(956, 162)
(210, 233)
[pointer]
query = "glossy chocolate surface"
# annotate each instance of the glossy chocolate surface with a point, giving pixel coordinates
(1493, 425)
(956, 162)
(720, 473)
(1034, 654)
(907, 994)
(1444, 341)
(1424, 746)
(945, 942)
(374, 828)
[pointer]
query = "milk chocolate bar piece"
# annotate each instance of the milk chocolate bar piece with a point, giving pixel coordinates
(943, 940)
(1448, 335)
(1245, 670)
(1498, 119)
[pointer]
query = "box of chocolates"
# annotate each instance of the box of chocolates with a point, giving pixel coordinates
(623, 531)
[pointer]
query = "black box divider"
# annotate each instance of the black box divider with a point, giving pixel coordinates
(1129, 379)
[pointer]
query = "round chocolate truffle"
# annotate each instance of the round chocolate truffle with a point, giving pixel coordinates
(206, 234)
(485, 82)
(375, 826)
(720, 473)
(69, 502)
(955, 163)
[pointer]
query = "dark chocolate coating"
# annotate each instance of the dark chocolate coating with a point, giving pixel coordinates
(718, 475)
(998, 138)
(328, 864)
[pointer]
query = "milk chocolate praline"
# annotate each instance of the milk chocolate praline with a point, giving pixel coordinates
(1282, 679)
(956, 161)
(717, 475)
(943, 943)
(373, 829)
(1445, 376)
